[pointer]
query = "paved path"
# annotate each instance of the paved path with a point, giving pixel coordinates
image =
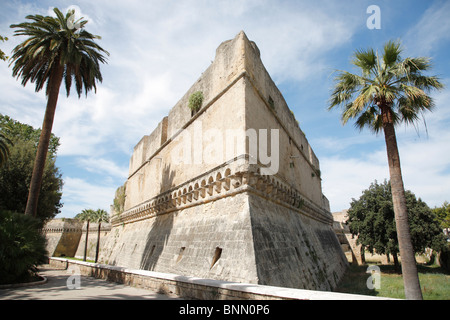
(90, 289)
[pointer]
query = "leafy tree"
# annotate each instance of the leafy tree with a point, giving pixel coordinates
(22, 246)
(372, 219)
(17, 130)
(388, 91)
(443, 215)
(86, 215)
(55, 50)
(15, 178)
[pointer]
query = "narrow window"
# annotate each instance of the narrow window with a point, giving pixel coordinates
(217, 254)
(271, 103)
(180, 254)
(151, 252)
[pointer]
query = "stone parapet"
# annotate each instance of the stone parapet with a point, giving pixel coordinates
(199, 288)
(226, 180)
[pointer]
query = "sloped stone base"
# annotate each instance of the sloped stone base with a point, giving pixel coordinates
(242, 237)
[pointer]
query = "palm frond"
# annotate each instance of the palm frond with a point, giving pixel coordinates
(370, 118)
(391, 53)
(52, 43)
(386, 82)
(365, 60)
(347, 84)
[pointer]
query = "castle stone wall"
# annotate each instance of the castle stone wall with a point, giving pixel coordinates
(63, 236)
(303, 253)
(192, 151)
(105, 228)
(195, 209)
(214, 239)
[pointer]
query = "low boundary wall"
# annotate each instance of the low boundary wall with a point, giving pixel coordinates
(197, 288)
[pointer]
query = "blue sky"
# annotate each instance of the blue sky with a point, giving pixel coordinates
(160, 48)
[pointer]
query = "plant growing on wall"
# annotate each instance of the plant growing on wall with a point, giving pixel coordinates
(119, 199)
(195, 101)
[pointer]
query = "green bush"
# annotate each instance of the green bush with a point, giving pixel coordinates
(444, 258)
(22, 246)
(195, 101)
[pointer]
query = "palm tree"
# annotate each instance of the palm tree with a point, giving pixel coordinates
(389, 91)
(100, 216)
(4, 149)
(54, 50)
(86, 215)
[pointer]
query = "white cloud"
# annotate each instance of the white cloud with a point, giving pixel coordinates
(425, 171)
(80, 194)
(158, 53)
(103, 166)
(424, 162)
(346, 178)
(431, 30)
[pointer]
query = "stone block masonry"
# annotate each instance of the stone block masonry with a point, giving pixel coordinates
(67, 237)
(63, 237)
(197, 288)
(238, 218)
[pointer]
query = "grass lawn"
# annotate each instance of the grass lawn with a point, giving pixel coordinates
(434, 282)
(78, 259)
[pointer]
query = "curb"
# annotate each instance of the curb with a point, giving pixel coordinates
(25, 284)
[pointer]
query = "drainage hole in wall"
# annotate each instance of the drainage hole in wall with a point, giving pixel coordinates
(180, 254)
(217, 254)
(151, 252)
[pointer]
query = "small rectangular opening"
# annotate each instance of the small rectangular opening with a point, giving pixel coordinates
(217, 255)
(180, 254)
(271, 103)
(153, 250)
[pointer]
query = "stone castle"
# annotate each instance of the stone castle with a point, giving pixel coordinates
(231, 191)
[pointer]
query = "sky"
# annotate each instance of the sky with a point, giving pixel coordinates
(158, 49)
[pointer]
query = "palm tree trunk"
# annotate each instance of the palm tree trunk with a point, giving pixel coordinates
(409, 267)
(44, 140)
(98, 242)
(86, 241)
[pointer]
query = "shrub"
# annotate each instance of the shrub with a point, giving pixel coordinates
(22, 246)
(195, 101)
(444, 258)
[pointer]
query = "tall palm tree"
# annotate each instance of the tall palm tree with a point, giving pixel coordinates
(54, 51)
(4, 148)
(86, 215)
(390, 90)
(100, 216)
